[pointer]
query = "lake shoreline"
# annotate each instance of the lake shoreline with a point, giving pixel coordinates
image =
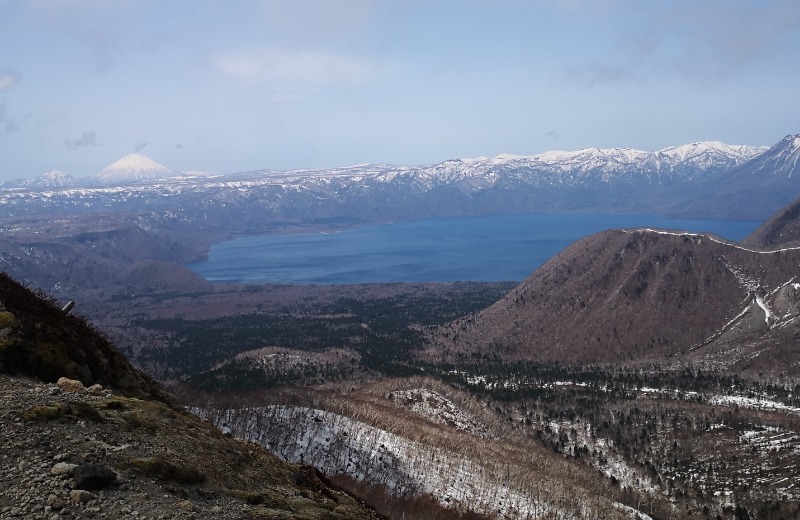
(443, 249)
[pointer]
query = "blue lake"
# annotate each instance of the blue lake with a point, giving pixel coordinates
(486, 248)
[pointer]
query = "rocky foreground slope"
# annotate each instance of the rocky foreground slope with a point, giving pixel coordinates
(124, 449)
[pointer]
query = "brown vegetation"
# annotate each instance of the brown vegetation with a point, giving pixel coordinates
(618, 296)
(780, 231)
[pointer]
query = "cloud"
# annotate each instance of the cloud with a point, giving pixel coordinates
(283, 66)
(141, 146)
(658, 39)
(584, 5)
(728, 36)
(100, 26)
(317, 23)
(86, 139)
(288, 96)
(552, 134)
(7, 78)
(594, 74)
(8, 124)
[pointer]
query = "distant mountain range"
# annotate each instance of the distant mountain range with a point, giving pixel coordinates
(556, 167)
(708, 179)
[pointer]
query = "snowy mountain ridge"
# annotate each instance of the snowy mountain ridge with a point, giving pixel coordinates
(593, 179)
(136, 168)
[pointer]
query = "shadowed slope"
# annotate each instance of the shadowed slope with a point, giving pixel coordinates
(782, 230)
(42, 341)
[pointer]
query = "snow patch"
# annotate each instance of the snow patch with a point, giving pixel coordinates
(757, 403)
(767, 312)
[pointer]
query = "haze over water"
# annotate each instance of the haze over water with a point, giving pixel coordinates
(483, 248)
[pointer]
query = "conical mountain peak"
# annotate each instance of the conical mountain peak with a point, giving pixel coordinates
(133, 168)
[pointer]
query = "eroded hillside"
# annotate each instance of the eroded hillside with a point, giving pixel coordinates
(627, 296)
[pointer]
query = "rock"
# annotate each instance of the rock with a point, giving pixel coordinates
(93, 477)
(95, 390)
(81, 496)
(62, 468)
(70, 385)
(8, 322)
(185, 505)
(55, 503)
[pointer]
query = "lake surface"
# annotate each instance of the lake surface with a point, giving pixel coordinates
(486, 248)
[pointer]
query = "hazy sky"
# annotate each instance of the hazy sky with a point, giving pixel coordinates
(234, 85)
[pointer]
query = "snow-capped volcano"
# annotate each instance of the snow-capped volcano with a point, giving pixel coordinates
(134, 168)
(52, 179)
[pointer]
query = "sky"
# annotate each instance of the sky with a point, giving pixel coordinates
(237, 85)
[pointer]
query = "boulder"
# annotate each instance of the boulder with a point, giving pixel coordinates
(62, 468)
(70, 385)
(81, 496)
(95, 390)
(93, 477)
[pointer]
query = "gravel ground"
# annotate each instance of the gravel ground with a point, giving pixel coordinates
(168, 464)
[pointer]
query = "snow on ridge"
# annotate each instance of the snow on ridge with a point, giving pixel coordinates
(624, 156)
(140, 168)
(338, 444)
(549, 168)
(706, 148)
(738, 153)
(708, 236)
(758, 403)
(51, 179)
